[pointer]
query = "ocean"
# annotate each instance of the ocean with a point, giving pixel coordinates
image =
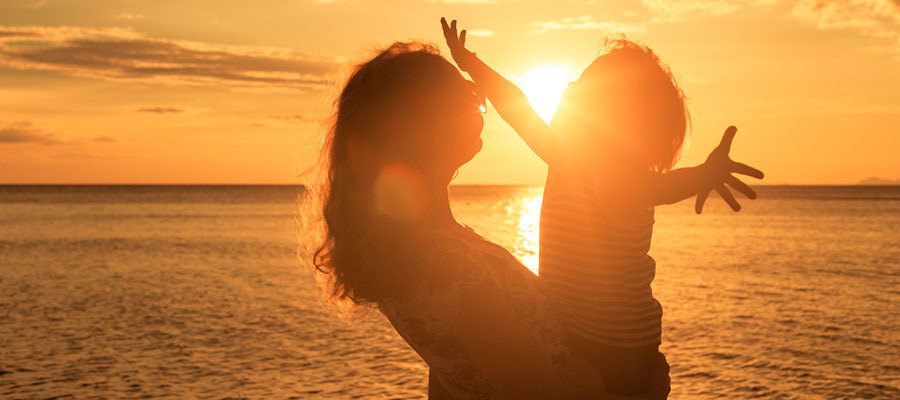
(197, 292)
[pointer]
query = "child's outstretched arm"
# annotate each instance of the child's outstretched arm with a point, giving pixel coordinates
(714, 174)
(507, 98)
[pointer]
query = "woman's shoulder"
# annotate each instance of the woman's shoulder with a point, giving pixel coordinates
(459, 256)
(453, 263)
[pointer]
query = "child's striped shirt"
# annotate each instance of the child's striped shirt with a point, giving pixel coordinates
(595, 266)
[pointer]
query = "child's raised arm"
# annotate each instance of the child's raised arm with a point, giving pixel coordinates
(507, 98)
(714, 174)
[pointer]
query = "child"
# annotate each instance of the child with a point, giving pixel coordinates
(614, 139)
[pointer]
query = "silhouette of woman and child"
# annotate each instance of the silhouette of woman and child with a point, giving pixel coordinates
(588, 325)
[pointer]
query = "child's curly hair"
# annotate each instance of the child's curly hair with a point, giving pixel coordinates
(641, 91)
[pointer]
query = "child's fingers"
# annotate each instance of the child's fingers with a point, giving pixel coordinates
(740, 187)
(462, 38)
(446, 29)
(453, 28)
(701, 198)
(727, 138)
(745, 169)
(728, 197)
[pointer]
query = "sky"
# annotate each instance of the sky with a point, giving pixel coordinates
(227, 91)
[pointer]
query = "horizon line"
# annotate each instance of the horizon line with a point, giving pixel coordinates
(452, 184)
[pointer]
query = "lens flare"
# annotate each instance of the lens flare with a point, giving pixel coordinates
(400, 193)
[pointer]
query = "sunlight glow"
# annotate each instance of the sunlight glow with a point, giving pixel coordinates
(544, 87)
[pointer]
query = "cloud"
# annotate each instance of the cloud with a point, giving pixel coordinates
(292, 117)
(681, 10)
(673, 11)
(586, 22)
(161, 110)
(129, 17)
(25, 132)
(104, 139)
(288, 120)
(35, 4)
(17, 35)
(875, 17)
(878, 19)
(463, 1)
(122, 54)
(872, 15)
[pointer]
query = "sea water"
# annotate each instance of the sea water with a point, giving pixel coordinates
(197, 292)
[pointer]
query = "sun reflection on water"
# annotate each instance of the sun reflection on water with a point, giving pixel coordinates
(526, 248)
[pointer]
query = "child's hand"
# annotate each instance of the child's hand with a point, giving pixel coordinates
(457, 45)
(720, 167)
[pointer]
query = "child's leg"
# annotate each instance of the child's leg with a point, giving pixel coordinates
(626, 371)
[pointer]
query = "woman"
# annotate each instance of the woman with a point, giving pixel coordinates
(406, 120)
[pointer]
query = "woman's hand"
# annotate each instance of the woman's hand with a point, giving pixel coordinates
(457, 44)
(719, 169)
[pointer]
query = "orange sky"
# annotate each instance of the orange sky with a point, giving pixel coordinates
(226, 91)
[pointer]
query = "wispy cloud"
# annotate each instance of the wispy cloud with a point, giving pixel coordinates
(35, 4)
(161, 110)
(679, 10)
(586, 22)
(295, 118)
(122, 54)
(129, 17)
(25, 132)
(466, 1)
(860, 14)
(104, 139)
(878, 19)
(875, 17)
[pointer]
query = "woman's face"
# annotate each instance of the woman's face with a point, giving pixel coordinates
(443, 131)
(439, 124)
(469, 122)
(456, 121)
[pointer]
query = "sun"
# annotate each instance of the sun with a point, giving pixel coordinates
(544, 86)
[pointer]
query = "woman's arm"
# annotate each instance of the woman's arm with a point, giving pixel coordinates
(510, 102)
(502, 347)
(436, 391)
